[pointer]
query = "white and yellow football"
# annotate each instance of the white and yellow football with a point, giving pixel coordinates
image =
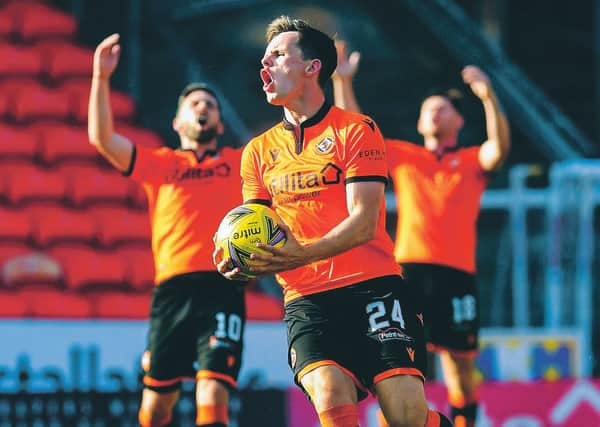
(245, 226)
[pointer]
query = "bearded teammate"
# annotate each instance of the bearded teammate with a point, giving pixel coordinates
(196, 314)
(438, 190)
(351, 324)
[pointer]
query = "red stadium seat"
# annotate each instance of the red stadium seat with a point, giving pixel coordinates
(121, 305)
(122, 105)
(31, 269)
(55, 223)
(19, 61)
(84, 267)
(119, 225)
(140, 136)
(7, 26)
(34, 103)
(15, 225)
(27, 183)
(20, 143)
(91, 184)
(140, 266)
(261, 306)
(12, 304)
(68, 60)
(34, 20)
(9, 250)
(61, 142)
(54, 303)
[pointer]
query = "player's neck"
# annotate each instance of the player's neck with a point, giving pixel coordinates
(199, 148)
(440, 145)
(304, 107)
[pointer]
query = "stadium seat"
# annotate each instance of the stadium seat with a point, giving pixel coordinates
(84, 267)
(15, 225)
(60, 142)
(18, 143)
(89, 184)
(56, 224)
(121, 305)
(9, 250)
(67, 61)
(122, 105)
(260, 306)
(55, 303)
(140, 136)
(19, 61)
(26, 183)
(119, 225)
(34, 20)
(35, 103)
(29, 269)
(12, 304)
(7, 27)
(139, 265)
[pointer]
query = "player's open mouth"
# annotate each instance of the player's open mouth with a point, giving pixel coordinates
(202, 120)
(268, 85)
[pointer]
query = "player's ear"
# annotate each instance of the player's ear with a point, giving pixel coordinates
(313, 67)
(176, 124)
(220, 128)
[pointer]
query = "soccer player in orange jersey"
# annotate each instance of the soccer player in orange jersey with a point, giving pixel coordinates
(351, 324)
(438, 189)
(196, 316)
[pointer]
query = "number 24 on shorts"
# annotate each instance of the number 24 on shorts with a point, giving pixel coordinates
(377, 315)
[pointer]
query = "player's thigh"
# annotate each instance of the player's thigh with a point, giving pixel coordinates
(171, 351)
(328, 386)
(211, 392)
(220, 323)
(158, 403)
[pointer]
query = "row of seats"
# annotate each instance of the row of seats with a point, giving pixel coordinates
(29, 21)
(72, 184)
(43, 225)
(50, 61)
(25, 100)
(77, 266)
(49, 303)
(51, 143)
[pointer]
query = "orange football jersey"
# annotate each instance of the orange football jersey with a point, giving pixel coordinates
(438, 203)
(187, 199)
(304, 175)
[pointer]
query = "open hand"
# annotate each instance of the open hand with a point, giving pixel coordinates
(478, 81)
(106, 56)
(347, 65)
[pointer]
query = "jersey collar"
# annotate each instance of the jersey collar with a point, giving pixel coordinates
(312, 121)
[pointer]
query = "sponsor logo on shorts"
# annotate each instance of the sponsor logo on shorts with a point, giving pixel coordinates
(293, 357)
(215, 342)
(420, 317)
(391, 334)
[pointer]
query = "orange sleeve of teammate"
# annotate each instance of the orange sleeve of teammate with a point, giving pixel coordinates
(151, 164)
(365, 153)
(252, 183)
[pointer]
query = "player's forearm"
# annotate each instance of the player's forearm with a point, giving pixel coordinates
(100, 121)
(497, 125)
(355, 230)
(343, 94)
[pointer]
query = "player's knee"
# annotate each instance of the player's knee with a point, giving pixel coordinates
(408, 412)
(330, 387)
(153, 417)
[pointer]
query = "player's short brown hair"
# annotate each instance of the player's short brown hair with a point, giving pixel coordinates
(193, 87)
(314, 43)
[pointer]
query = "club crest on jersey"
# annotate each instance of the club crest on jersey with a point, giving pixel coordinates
(274, 153)
(325, 146)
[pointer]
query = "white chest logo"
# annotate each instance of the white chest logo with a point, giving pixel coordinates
(325, 146)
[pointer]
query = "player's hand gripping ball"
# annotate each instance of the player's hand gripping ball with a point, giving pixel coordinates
(242, 228)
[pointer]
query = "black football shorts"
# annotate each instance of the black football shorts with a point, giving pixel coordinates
(370, 330)
(448, 299)
(196, 330)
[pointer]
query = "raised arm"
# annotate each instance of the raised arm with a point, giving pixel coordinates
(495, 149)
(347, 65)
(117, 149)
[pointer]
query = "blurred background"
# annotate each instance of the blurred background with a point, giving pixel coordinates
(74, 236)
